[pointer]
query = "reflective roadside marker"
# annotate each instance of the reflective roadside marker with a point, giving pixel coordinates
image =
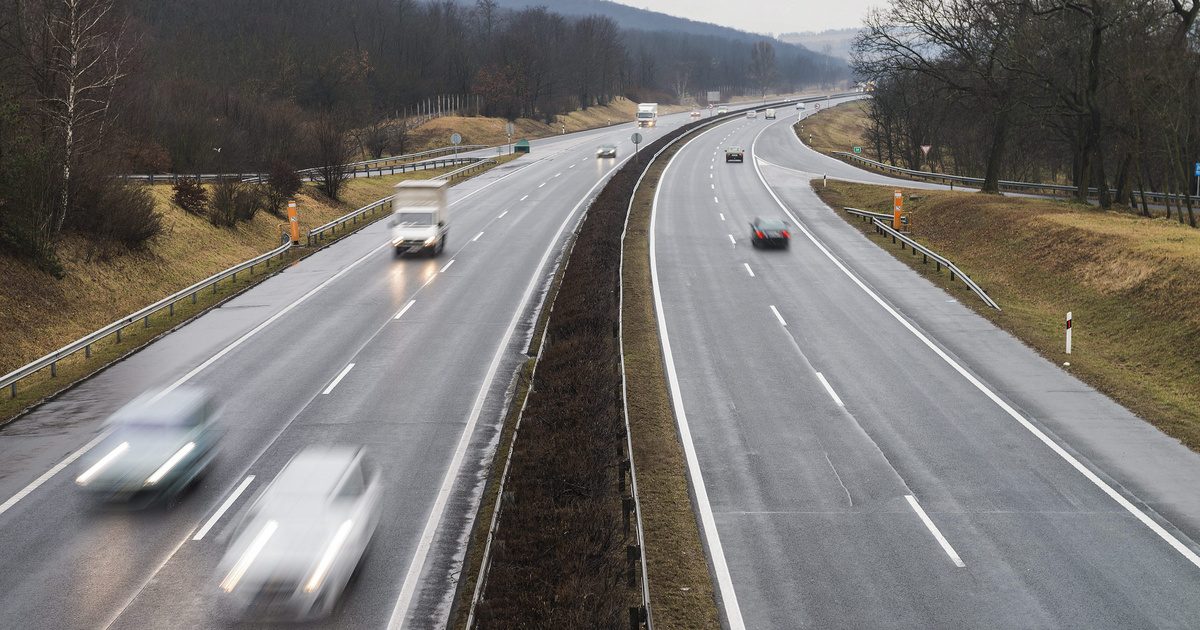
(897, 208)
(1068, 332)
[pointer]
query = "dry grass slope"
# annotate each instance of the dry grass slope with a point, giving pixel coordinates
(839, 128)
(1132, 284)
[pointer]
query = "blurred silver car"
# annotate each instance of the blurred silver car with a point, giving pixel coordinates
(299, 542)
(606, 151)
(156, 446)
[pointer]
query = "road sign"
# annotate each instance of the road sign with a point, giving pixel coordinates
(858, 149)
(455, 138)
(637, 139)
(817, 106)
(1197, 169)
(925, 149)
(508, 128)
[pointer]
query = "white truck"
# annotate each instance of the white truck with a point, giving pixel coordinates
(419, 222)
(647, 114)
(770, 114)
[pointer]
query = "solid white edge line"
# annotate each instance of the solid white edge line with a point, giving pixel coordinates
(405, 309)
(37, 483)
(748, 269)
(412, 575)
(708, 524)
(829, 388)
(477, 237)
(506, 211)
(446, 266)
(731, 239)
(937, 534)
(778, 316)
(1145, 519)
(237, 492)
(338, 379)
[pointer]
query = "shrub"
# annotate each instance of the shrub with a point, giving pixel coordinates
(234, 201)
(282, 184)
(120, 213)
(190, 195)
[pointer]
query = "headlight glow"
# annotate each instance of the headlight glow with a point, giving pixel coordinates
(243, 563)
(102, 464)
(331, 552)
(170, 463)
(431, 240)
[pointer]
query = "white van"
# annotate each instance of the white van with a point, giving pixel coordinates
(770, 115)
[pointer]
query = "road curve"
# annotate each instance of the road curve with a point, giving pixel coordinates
(873, 453)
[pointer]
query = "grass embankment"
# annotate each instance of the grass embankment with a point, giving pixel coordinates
(1130, 282)
(839, 128)
(490, 131)
(681, 592)
(39, 313)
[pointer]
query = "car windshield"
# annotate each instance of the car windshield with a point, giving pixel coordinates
(734, 150)
(771, 224)
(645, 114)
(414, 218)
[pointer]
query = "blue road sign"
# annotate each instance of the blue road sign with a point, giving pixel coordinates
(1197, 169)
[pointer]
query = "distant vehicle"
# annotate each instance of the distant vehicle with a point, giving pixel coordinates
(722, 110)
(647, 114)
(606, 151)
(734, 154)
(419, 218)
(298, 543)
(752, 114)
(695, 114)
(801, 106)
(770, 114)
(157, 446)
(769, 233)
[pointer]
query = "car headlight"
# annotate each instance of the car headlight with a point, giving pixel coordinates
(431, 240)
(170, 463)
(331, 552)
(102, 464)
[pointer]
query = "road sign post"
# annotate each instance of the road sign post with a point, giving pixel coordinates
(294, 221)
(508, 130)
(897, 210)
(637, 139)
(456, 140)
(1198, 179)
(1068, 332)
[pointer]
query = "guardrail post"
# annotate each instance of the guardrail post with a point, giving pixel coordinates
(632, 554)
(194, 297)
(87, 351)
(637, 617)
(53, 369)
(146, 322)
(12, 390)
(951, 275)
(171, 310)
(627, 507)
(118, 335)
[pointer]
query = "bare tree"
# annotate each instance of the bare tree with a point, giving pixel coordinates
(333, 153)
(762, 66)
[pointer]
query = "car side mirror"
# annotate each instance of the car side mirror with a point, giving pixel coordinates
(441, 224)
(393, 223)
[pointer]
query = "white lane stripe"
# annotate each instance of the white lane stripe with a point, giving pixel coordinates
(571, 166)
(731, 239)
(522, 199)
(443, 269)
(748, 269)
(36, 483)
(1141, 516)
(338, 379)
(715, 200)
(405, 309)
(722, 215)
(934, 530)
(408, 589)
(558, 173)
(237, 492)
(506, 211)
(708, 524)
(713, 186)
(829, 388)
(477, 237)
(777, 315)
(541, 184)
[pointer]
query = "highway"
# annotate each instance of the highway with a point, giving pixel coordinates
(869, 453)
(411, 357)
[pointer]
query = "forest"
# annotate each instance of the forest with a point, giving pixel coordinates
(96, 88)
(1099, 94)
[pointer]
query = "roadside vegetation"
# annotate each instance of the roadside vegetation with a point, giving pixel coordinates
(1096, 94)
(839, 128)
(1131, 283)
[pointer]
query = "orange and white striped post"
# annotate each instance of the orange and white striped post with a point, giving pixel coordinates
(1068, 332)
(897, 210)
(294, 221)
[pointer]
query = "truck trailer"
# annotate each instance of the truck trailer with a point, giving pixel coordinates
(419, 222)
(647, 114)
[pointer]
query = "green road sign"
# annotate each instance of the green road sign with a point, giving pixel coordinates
(858, 149)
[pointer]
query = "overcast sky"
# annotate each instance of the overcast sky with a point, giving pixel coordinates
(765, 16)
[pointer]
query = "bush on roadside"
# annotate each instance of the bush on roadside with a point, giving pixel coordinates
(120, 213)
(190, 195)
(282, 185)
(234, 201)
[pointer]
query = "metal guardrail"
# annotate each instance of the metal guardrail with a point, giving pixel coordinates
(377, 164)
(85, 343)
(950, 180)
(878, 219)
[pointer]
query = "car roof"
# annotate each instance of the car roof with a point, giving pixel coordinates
(769, 222)
(315, 470)
(168, 407)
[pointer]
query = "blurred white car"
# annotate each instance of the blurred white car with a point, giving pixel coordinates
(156, 446)
(606, 151)
(751, 114)
(801, 106)
(695, 114)
(299, 542)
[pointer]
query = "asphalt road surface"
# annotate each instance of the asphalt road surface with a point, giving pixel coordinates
(434, 344)
(869, 453)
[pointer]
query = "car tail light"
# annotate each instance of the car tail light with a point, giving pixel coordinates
(759, 233)
(785, 234)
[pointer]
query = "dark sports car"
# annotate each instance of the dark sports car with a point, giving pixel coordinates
(769, 233)
(734, 154)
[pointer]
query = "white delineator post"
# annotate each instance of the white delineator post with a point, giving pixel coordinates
(1068, 332)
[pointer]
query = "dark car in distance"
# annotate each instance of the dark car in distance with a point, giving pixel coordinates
(769, 233)
(734, 154)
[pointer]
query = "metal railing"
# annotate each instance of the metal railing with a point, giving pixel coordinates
(878, 219)
(977, 182)
(168, 303)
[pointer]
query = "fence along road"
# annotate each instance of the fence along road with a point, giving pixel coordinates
(890, 458)
(269, 353)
